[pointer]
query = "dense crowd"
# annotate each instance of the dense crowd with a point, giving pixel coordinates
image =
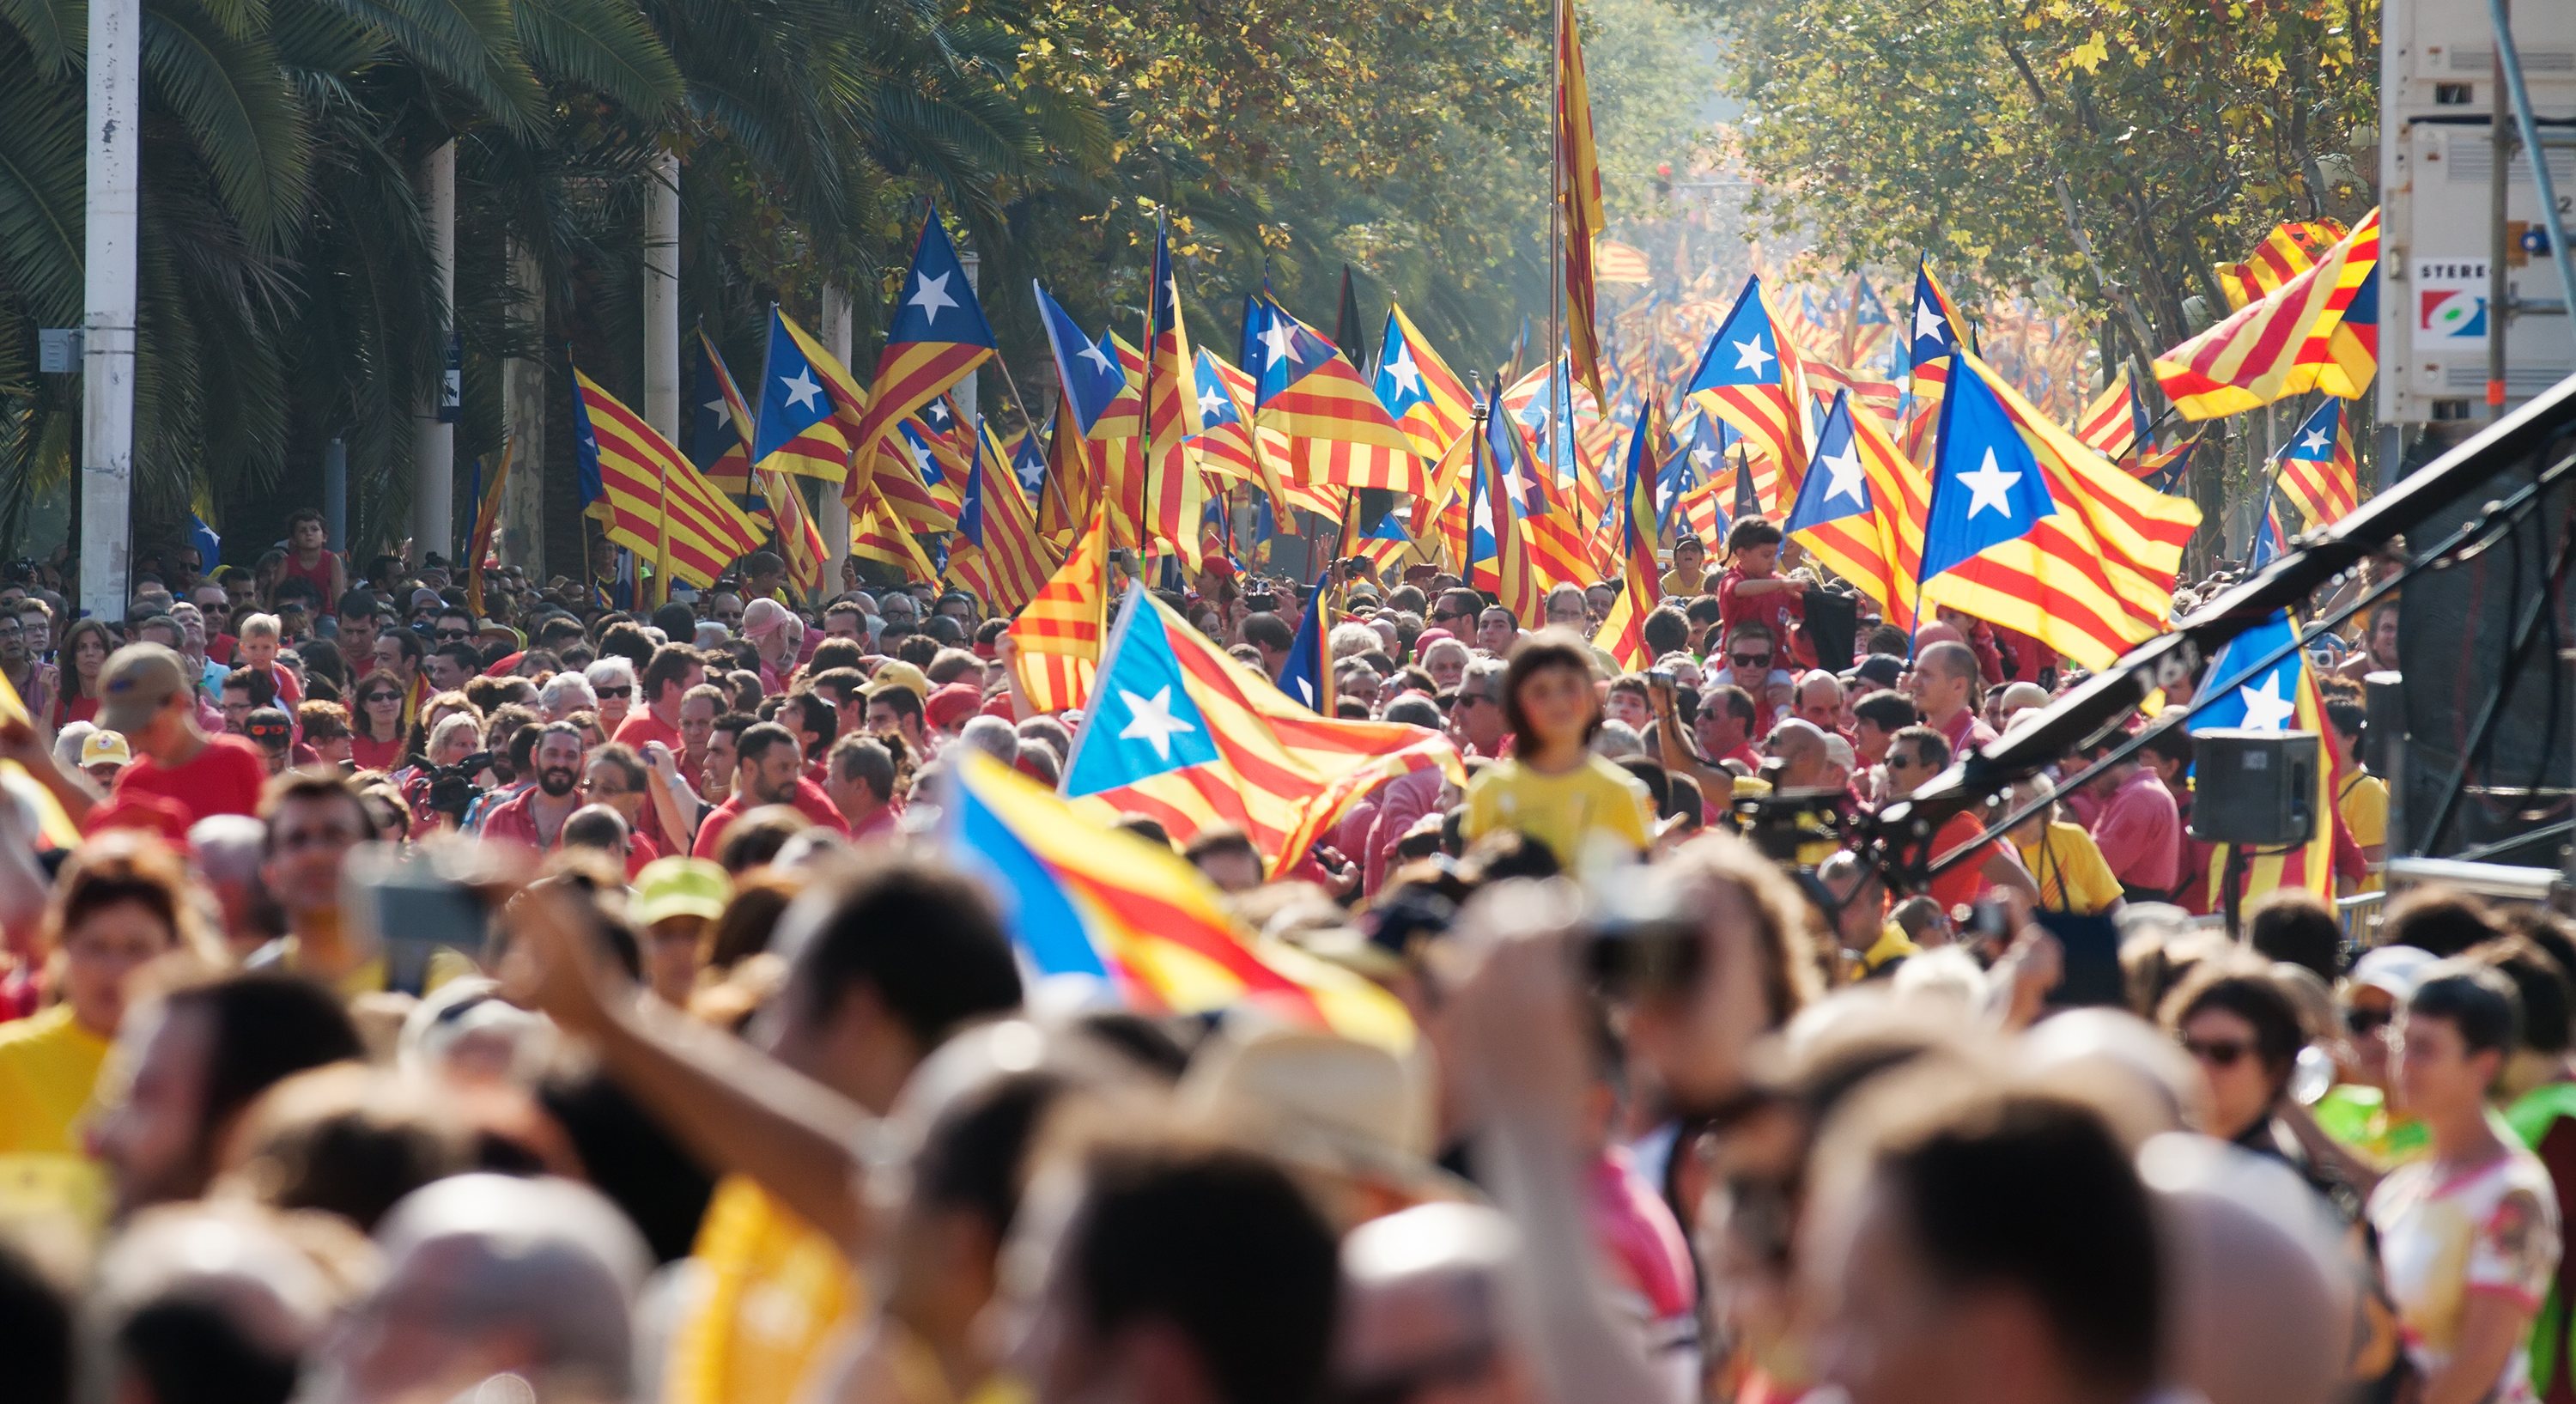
(735, 1090)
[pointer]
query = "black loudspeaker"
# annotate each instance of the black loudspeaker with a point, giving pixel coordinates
(2255, 788)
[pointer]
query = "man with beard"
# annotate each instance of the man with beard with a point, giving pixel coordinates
(768, 769)
(536, 818)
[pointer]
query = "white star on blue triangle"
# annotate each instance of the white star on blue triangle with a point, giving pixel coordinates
(1987, 489)
(1741, 351)
(937, 303)
(2257, 699)
(1143, 720)
(1836, 485)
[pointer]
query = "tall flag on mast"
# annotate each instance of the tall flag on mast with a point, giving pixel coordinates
(1426, 398)
(1181, 732)
(1749, 376)
(938, 336)
(1175, 491)
(1338, 431)
(2031, 530)
(1579, 187)
(1860, 511)
(478, 543)
(809, 410)
(1623, 629)
(2284, 343)
(2319, 472)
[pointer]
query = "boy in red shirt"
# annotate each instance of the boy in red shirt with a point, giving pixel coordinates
(145, 694)
(1752, 589)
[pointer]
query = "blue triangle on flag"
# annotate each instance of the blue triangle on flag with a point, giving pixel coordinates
(936, 303)
(1987, 487)
(1143, 721)
(1836, 486)
(1744, 350)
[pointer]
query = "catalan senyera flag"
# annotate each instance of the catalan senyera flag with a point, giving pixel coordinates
(800, 540)
(2282, 344)
(1180, 731)
(1935, 332)
(2281, 697)
(2115, 424)
(1084, 900)
(1429, 402)
(1535, 497)
(1176, 491)
(1579, 190)
(921, 474)
(876, 534)
(937, 336)
(1390, 545)
(1227, 444)
(2289, 250)
(1749, 376)
(1497, 554)
(2033, 531)
(1615, 262)
(648, 497)
(1852, 512)
(487, 520)
(996, 554)
(808, 410)
(2319, 472)
(1623, 629)
(1056, 638)
(1338, 431)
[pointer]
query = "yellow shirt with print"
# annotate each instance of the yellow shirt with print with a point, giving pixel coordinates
(1564, 811)
(48, 1069)
(2364, 807)
(2071, 872)
(776, 1290)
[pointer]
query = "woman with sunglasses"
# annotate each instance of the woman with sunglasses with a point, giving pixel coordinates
(2240, 1027)
(376, 737)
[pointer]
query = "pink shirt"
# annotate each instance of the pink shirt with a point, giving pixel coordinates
(1966, 731)
(2140, 833)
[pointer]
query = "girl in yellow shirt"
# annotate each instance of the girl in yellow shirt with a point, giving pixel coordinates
(1554, 789)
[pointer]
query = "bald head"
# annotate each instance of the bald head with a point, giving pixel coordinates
(1428, 1289)
(1800, 748)
(1945, 679)
(1820, 700)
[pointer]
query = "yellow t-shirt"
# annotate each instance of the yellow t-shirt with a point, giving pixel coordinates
(1562, 811)
(777, 1289)
(48, 1068)
(2070, 870)
(2364, 807)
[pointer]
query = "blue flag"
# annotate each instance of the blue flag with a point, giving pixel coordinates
(1088, 369)
(210, 547)
(2240, 695)
(1987, 488)
(1142, 721)
(1307, 676)
(793, 397)
(1741, 351)
(1836, 486)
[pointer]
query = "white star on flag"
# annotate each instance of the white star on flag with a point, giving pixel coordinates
(1097, 357)
(715, 407)
(1209, 402)
(2265, 708)
(922, 462)
(2315, 442)
(937, 414)
(1150, 719)
(1702, 457)
(1927, 323)
(930, 294)
(801, 391)
(1848, 480)
(1279, 339)
(1407, 375)
(1986, 487)
(1751, 355)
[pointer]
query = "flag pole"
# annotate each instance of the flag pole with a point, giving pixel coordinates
(1029, 427)
(1556, 125)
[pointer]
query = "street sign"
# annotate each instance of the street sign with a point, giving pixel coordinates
(58, 351)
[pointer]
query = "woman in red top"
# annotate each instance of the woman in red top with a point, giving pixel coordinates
(84, 651)
(375, 723)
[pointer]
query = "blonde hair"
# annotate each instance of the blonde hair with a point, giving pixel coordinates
(258, 626)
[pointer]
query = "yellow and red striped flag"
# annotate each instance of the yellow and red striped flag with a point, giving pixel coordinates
(487, 520)
(808, 410)
(1176, 491)
(1429, 402)
(1338, 431)
(937, 337)
(2319, 471)
(1579, 189)
(876, 534)
(2288, 251)
(1861, 511)
(1497, 551)
(1182, 732)
(2029, 529)
(1056, 639)
(1751, 376)
(2115, 424)
(1623, 629)
(2281, 345)
(996, 554)
(648, 497)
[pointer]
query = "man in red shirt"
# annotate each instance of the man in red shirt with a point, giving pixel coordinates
(1916, 755)
(536, 815)
(860, 780)
(668, 676)
(1944, 684)
(2138, 828)
(146, 694)
(768, 769)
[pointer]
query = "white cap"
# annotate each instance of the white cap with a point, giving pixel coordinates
(2394, 969)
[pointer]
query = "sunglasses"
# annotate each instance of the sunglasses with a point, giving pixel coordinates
(1898, 760)
(2218, 1052)
(2368, 1021)
(1749, 660)
(374, 697)
(451, 635)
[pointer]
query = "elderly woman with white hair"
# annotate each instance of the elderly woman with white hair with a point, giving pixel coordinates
(612, 681)
(565, 694)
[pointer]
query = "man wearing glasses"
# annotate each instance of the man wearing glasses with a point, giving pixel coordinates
(1456, 611)
(1476, 722)
(1916, 755)
(1752, 663)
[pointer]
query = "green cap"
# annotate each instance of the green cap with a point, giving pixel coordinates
(670, 887)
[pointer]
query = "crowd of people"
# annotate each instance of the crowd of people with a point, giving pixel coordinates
(736, 1089)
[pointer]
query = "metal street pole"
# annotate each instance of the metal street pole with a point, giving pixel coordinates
(115, 188)
(831, 516)
(662, 326)
(433, 432)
